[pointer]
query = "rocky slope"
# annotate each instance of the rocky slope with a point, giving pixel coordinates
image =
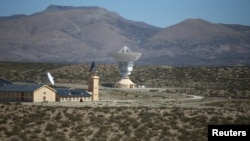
(69, 34)
(84, 34)
(196, 41)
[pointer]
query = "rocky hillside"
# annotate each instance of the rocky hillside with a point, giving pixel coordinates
(200, 42)
(69, 34)
(84, 34)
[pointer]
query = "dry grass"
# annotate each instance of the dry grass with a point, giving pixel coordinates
(153, 117)
(223, 78)
(45, 123)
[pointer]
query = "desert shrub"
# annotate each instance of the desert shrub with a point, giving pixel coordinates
(58, 137)
(135, 124)
(87, 132)
(42, 139)
(214, 120)
(3, 121)
(16, 129)
(34, 136)
(79, 138)
(14, 138)
(182, 137)
(127, 131)
(193, 136)
(78, 128)
(150, 124)
(65, 130)
(139, 134)
(73, 117)
(24, 137)
(50, 127)
(116, 138)
(58, 117)
(201, 120)
(9, 132)
(173, 123)
(100, 109)
(241, 119)
(2, 106)
(101, 133)
(91, 114)
(65, 124)
(165, 113)
(38, 130)
(184, 119)
(86, 108)
(3, 128)
(73, 134)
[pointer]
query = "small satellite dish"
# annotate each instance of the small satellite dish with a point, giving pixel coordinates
(51, 79)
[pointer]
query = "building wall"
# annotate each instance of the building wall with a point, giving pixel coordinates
(16, 97)
(95, 88)
(118, 85)
(44, 94)
(74, 99)
(90, 83)
(93, 85)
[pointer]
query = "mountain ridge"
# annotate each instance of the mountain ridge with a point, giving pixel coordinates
(195, 39)
(84, 34)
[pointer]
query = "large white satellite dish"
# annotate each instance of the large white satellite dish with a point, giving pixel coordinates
(51, 79)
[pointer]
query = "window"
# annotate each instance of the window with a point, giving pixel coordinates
(44, 93)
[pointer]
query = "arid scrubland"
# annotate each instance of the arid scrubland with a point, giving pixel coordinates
(46, 123)
(226, 91)
(209, 81)
(150, 75)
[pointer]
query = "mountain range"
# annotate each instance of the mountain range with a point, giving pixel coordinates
(65, 34)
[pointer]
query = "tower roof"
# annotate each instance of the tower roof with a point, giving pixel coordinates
(93, 67)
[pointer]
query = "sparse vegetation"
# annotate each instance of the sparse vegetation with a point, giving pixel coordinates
(138, 123)
(233, 80)
(123, 121)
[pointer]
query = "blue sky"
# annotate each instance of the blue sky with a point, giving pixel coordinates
(161, 13)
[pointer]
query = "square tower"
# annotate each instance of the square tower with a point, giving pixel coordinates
(93, 82)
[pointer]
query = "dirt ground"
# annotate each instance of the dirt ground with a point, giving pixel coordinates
(140, 97)
(148, 114)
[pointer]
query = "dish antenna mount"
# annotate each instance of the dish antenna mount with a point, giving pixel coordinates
(51, 79)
